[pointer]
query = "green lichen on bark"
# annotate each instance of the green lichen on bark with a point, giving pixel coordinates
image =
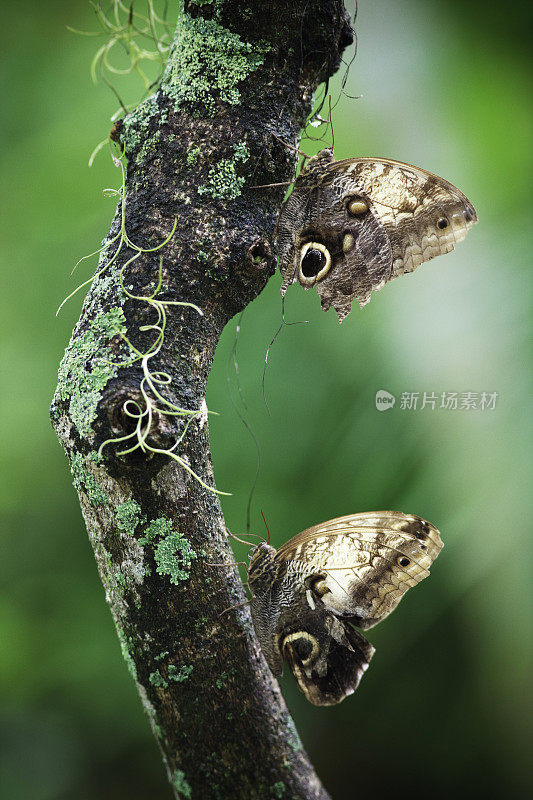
(179, 783)
(193, 155)
(156, 679)
(120, 581)
(173, 553)
(108, 283)
(179, 675)
(128, 515)
(223, 179)
(173, 556)
(88, 366)
(207, 62)
(130, 663)
(221, 680)
(161, 655)
(85, 481)
(294, 739)
(136, 127)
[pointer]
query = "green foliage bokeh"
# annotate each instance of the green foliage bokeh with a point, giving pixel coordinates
(445, 704)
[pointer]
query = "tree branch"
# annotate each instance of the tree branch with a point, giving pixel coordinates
(234, 78)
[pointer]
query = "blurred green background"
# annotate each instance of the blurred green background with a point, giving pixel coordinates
(445, 706)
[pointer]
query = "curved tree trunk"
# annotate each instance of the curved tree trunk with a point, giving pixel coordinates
(234, 78)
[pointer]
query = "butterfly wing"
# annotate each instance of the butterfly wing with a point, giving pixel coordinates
(368, 561)
(356, 246)
(404, 216)
(327, 657)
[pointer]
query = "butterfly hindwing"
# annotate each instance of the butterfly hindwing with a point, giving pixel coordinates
(327, 657)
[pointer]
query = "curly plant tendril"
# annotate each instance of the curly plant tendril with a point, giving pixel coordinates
(142, 39)
(139, 38)
(151, 382)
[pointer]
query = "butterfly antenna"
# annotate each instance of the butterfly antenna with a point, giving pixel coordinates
(331, 126)
(243, 541)
(239, 605)
(266, 526)
(271, 185)
(290, 146)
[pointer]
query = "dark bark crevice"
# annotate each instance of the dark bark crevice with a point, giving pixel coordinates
(217, 713)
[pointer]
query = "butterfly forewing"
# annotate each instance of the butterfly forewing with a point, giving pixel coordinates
(369, 560)
(424, 215)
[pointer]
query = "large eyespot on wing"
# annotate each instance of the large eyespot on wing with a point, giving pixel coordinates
(315, 263)
(330, 237)
(328, 658)
(295, 215)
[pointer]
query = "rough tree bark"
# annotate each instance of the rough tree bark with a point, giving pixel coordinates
(236, 76)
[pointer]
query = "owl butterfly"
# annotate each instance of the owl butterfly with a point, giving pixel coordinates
(308, 596)
(350, 226)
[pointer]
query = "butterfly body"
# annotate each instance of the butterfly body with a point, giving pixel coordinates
(308, 595)
(350, 226)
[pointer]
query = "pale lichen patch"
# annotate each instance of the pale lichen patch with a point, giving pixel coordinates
(130, 663)
(84, 479)
(203, 415)
(179, 675)
(224, 182)
(207, 62)
(88, 365)
(157, 680)
(173, 553)
(180, 784)
(128, 515)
